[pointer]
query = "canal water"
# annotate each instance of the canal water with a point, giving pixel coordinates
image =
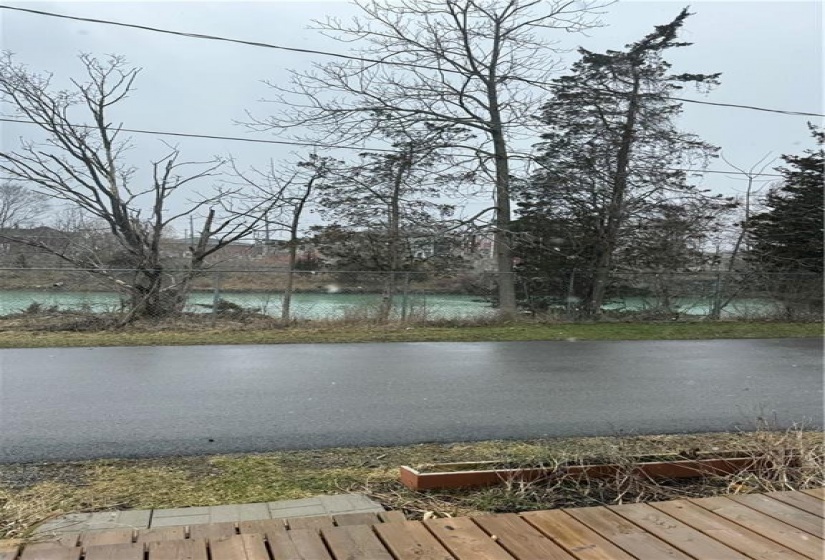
(344, 305)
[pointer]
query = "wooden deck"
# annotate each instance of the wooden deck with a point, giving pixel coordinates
(774, 526)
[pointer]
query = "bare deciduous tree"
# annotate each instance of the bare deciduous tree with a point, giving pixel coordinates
(475, 64)
(20, 206)
(294, 188)
(84, 166)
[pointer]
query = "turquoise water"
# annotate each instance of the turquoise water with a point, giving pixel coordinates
(339, 306)
(304, 306)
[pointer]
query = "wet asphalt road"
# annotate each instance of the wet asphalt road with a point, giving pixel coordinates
(77, 403)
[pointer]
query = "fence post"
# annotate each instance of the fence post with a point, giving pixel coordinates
(715, 310)
(216, 296)
(405, 293)
(570, 287)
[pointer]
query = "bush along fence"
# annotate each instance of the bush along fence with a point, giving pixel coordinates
(281, 296)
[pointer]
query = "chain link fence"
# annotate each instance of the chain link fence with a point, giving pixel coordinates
(680, 295)
(276, 295)
(316, 296)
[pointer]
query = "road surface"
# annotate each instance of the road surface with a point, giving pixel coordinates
(79, 403)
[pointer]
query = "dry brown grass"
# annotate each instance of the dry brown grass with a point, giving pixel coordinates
(793, 460)
(68, 329)
(32, 493)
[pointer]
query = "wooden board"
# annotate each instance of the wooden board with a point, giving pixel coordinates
(725, 531)
(625, 534)
(410, 540)
(800, 500)
(114, 552)
(109, 536)
(392, 516)
(65, 539)
(816, 492)
(314, 523)
(298, 544)
(676, 533)
(178, 550)
(789, 514)
(161, 534)
(262, 527)
(55, 553)
(575, 537)
(9, 550)
(465, 539)
(789, 537)
(519, 538)
(345, 519)
(238, 547)
(354, 542)
(212, 530)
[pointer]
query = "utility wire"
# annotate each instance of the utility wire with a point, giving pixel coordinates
(311, 145)
(751, 107)
(216, 38)
(344, 56)
(212, 137)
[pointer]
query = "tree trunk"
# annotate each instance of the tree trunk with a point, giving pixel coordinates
(148, 298)
(394, 234)
(286, 302)
(501, 237)
(615, 211)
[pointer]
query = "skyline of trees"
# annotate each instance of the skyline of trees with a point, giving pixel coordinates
(609, 195)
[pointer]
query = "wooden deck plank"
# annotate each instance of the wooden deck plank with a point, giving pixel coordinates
(789, 537)
(342, 520)
(625, 534)
(298, 544)
(800, 500)
(575, 537)
(354, 542)
(314, 523)
(465, 540)
(209, 531)
(410, 540)
(178, 550)
(676, 533)
(733, 535)
(109, 536)
(161, 534)
(789, 514)
(9, 550)
(816, 492)
(519, 538)
(238, 547)
(262, 527)
(66, 539)
(55, 553)
(128, 551)
(394, 516)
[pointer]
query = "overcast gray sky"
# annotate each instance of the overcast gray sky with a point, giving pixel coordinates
(770, 54)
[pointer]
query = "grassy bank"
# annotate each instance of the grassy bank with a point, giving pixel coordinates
(151, 335)
(32, 493)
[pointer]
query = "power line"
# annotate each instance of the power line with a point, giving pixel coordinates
(213, 137)
(726, 172)
(217, 38)
(311, 145)
(751, 107)
(345, 56)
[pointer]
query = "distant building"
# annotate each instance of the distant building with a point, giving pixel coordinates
(16, 249)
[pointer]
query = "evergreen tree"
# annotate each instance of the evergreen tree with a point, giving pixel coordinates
(787, 236)
(612, 151)
(786, 239)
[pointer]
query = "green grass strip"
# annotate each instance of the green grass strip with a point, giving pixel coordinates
(347, 333)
